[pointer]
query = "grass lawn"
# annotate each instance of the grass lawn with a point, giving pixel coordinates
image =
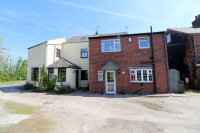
(19, 108)
(4, 130)
(10, 82)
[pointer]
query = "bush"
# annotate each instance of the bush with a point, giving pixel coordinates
(43, 79)
(64, 89)
(28, 86)
(51, 84)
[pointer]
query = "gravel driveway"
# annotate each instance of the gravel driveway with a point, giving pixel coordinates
(88, 112)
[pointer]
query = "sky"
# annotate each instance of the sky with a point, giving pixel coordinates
(24, 23)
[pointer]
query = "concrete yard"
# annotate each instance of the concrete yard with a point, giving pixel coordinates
(83, 112)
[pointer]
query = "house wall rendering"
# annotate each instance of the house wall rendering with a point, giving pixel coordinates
(61, 51)
(36, 58)
(72, 52)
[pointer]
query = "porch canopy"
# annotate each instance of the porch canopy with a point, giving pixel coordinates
(197, 62)
(63, 63)
(110, 66)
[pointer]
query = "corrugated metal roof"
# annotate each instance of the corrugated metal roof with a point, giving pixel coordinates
(187, 30)
(75, 39)
(63, 63)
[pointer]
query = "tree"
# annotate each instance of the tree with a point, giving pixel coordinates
(1, 51)
(24, 69)
(21, 69)
(43, 79)
(11, 72)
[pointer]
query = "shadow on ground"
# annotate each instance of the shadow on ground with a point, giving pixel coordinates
(19, 89)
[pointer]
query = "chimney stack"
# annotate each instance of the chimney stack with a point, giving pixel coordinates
(196, 22)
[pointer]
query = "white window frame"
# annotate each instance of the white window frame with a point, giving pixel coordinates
(84, 50)
(103, 51)
(100, 75)
(142, 77)
(139, 42)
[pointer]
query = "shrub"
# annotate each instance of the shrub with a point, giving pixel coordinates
(43, 79)
(64, 89)
(28, 86)
(51, 83)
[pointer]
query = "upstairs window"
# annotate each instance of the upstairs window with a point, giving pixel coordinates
(34, 74)
(58, 53)
(113, 45)
(141, 75)
(62, 74)
(84, 75)
(144, 42)
(84, 53)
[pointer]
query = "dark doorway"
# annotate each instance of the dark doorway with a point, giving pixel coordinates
(77, 78)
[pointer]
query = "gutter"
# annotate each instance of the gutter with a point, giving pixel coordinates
(166, 57)
(153, 60)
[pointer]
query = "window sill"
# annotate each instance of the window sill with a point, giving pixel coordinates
(111, 52)
(141, 81)
(144, 48)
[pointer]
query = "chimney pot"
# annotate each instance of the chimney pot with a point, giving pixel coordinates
(196, 17)
(199, 16)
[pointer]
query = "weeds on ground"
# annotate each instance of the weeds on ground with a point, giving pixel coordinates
(151, 106)
(64, 89)
(4, 130)
(192, 91)
(35, 124)
(19, 108)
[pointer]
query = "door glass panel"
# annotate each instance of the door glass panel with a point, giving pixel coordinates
(110, 77)
(110, 87)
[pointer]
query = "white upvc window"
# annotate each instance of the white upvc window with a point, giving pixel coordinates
(143, 42)
(100, 75)
(112, 45)
(141, 75)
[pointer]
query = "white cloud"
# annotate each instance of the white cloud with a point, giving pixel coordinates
(100, 10)
(39, 24)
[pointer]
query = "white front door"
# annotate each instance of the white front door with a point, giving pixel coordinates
(110, 82)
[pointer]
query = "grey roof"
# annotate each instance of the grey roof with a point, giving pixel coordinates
(63, 63)
(111, 34)
(187, 30)
(75, 39)
(38, 45)
(110, 66)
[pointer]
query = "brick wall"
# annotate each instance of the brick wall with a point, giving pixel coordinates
(130, 55)
(197, 40)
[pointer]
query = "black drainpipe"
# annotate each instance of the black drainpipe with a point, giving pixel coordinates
(153, 60)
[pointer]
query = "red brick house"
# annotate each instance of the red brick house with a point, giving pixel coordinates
(123, 63)
(184, 52)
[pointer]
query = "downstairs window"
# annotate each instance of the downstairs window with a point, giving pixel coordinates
(84, 75)
(34, 74)
(142, 75)
(62, 74)
(50, 74)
